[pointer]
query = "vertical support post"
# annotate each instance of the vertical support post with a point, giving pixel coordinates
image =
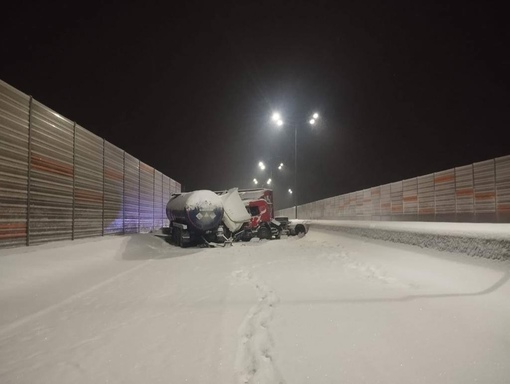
(163, 206)
(417, 200)
(74, 180)
(29, 168)
(391, 203)
(380, 205)
(455, 192)
(102, 213)
(139, 194)
(295, 171)
(434, 183)
(496, 213)
(123, 192)
(153, 196)
(474, 191)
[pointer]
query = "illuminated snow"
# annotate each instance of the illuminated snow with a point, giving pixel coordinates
(327, 308)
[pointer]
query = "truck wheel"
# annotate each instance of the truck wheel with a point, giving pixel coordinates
(264, 233)
(177, 236)
(300, 230)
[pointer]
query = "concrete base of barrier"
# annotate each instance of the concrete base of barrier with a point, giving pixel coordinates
(491, 248)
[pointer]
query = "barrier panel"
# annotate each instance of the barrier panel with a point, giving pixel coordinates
(146, 197)
(113, 219)
(503, 188)
(14, 159)
(88, 184)
(59, 181)
(158, 212)
(473, 193)
(51, 175)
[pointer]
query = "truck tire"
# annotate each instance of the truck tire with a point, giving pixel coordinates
(300, 230)
(176, 236)
(264, 233)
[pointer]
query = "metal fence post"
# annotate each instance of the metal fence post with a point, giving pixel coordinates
(455, 191)
(74, 181)
(102, 213)
(123, 192)
(474, 190)
(139, 195)
(29, 168)
(495, 194)
(434, 184)
(162, 220)
(153, 194)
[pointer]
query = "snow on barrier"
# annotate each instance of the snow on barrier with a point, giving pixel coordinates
(59, 181)
(490, 241)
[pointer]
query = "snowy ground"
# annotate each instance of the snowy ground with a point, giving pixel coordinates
(327, 308)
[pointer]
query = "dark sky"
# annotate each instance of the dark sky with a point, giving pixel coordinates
(403, 88)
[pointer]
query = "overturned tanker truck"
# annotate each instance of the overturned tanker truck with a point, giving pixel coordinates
(205, 217)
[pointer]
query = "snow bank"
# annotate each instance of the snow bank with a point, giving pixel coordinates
(490, 241)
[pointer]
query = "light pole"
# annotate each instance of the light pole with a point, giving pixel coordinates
(276, 117)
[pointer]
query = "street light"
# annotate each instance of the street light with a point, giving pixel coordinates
(255, 181)
(312, 121)
(268, 181)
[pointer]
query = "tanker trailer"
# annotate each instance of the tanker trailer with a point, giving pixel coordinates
(195, 216)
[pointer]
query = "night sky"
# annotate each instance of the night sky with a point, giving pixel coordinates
(403, 89)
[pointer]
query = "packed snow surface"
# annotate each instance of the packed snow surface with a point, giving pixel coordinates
(326, 308)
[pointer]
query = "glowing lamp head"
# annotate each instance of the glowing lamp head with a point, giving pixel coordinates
(276, 116)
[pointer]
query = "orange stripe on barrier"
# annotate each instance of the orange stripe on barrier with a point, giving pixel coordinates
(88, 196)
(484, 195)
(503, 207)
(427, 210)
(13, 235)
(51, 166)
(443, 179)
(409, 199)
(113, 174)
(464, 192)
(13, 226)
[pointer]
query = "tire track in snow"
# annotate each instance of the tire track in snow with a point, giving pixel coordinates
(255, 352)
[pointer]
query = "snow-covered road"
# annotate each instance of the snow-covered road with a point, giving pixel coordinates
(327, 308)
